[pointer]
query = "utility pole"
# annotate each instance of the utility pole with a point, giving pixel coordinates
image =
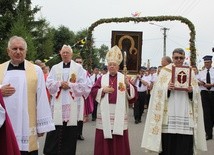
(164, 36)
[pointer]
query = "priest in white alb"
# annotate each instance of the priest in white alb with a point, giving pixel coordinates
(23, 87)
(66, 82)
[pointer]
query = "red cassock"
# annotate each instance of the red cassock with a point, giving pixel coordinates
(8, 143)
(89, 106)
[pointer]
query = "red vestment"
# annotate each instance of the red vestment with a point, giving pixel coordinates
(8, 141)
(118, 144)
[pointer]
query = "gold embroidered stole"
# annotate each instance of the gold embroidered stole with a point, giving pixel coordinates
(32, 80)
(57, 114)
(158, 114)
(120, 108)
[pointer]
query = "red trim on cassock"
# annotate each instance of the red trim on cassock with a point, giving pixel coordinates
(58, 93)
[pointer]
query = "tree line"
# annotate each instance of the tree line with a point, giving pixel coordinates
(17, 17)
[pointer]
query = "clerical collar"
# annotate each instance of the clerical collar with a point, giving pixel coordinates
(20, 66)
(66, 65)
(113, 75)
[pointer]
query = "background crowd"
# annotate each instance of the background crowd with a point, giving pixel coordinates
(37, 99)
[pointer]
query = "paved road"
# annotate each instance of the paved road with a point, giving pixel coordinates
(135, 136)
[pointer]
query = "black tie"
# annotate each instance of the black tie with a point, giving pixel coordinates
(95, 78)
(140, 83)
(208, 79)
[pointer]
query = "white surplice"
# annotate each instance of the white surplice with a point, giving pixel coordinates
(81, 100)
(17, 106)
(64, 102)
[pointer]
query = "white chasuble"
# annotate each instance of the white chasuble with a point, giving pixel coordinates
(161, 115)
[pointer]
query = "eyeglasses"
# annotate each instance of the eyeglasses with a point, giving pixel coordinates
(176, 58)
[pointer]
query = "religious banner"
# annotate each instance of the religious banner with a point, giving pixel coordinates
(131, 43)
(181, 77)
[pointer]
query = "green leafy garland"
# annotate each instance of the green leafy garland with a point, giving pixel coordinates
(89, 44)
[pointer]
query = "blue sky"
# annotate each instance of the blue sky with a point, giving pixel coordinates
(80, 14)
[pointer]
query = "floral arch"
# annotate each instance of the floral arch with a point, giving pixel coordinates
(186, 21)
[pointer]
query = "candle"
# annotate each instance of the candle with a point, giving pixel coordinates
(124, 64)
(124, 58)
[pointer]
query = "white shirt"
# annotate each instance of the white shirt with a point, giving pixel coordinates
(202, 77)
(143, 88)
(154, 77)
(93, 77)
